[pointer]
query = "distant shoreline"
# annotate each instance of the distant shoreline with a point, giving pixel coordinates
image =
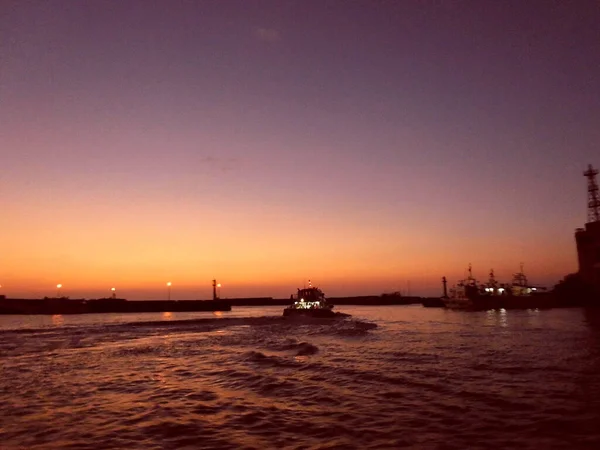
(63, 305)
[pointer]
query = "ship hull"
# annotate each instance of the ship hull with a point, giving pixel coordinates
(471, 304)
(433, 303)
(319, 313)
(485, 303)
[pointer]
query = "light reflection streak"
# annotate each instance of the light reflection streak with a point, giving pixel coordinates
(503, 317)
(58, 320)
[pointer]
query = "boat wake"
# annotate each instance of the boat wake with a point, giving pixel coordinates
(268, 382)
(271, 331)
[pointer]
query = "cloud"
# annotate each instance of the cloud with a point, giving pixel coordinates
(267, 34)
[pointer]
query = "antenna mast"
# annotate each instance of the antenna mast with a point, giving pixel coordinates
(593, 199)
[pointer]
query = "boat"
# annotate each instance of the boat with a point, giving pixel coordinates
(470, 295)
(520, 294)
(520, 286)
(309, 302)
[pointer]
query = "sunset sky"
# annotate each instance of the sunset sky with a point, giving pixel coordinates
(359, 144)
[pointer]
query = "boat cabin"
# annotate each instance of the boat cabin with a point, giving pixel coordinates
(310, 298)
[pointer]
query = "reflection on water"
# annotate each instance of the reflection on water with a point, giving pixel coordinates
(503, 319)
(58, 320)
(497, 317)
(43, 321)
(391, 377)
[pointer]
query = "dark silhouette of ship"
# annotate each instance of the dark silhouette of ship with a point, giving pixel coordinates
(470, 294)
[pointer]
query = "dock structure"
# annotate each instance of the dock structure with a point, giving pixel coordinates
(588, 238)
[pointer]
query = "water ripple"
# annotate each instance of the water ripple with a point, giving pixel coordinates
(420, 378)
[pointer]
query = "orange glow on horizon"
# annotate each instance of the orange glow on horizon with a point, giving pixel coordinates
(136, 250)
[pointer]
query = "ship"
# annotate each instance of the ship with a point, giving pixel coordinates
(521, 294)
(310, 302)
(469, 294)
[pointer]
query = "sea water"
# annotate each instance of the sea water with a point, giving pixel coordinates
(388, 377)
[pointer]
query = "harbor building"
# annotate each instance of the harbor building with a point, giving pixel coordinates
(588, 238)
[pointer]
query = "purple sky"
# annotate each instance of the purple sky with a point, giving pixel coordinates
(358, 143)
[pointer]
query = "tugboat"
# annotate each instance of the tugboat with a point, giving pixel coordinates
(309, 302)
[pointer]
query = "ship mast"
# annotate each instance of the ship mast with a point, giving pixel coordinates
(492, 280)
(519, 278)
(593, 199)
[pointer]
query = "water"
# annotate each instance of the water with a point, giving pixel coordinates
(390, 377)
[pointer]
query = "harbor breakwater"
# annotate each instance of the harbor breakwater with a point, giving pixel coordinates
(115, 305)
(82, 306)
